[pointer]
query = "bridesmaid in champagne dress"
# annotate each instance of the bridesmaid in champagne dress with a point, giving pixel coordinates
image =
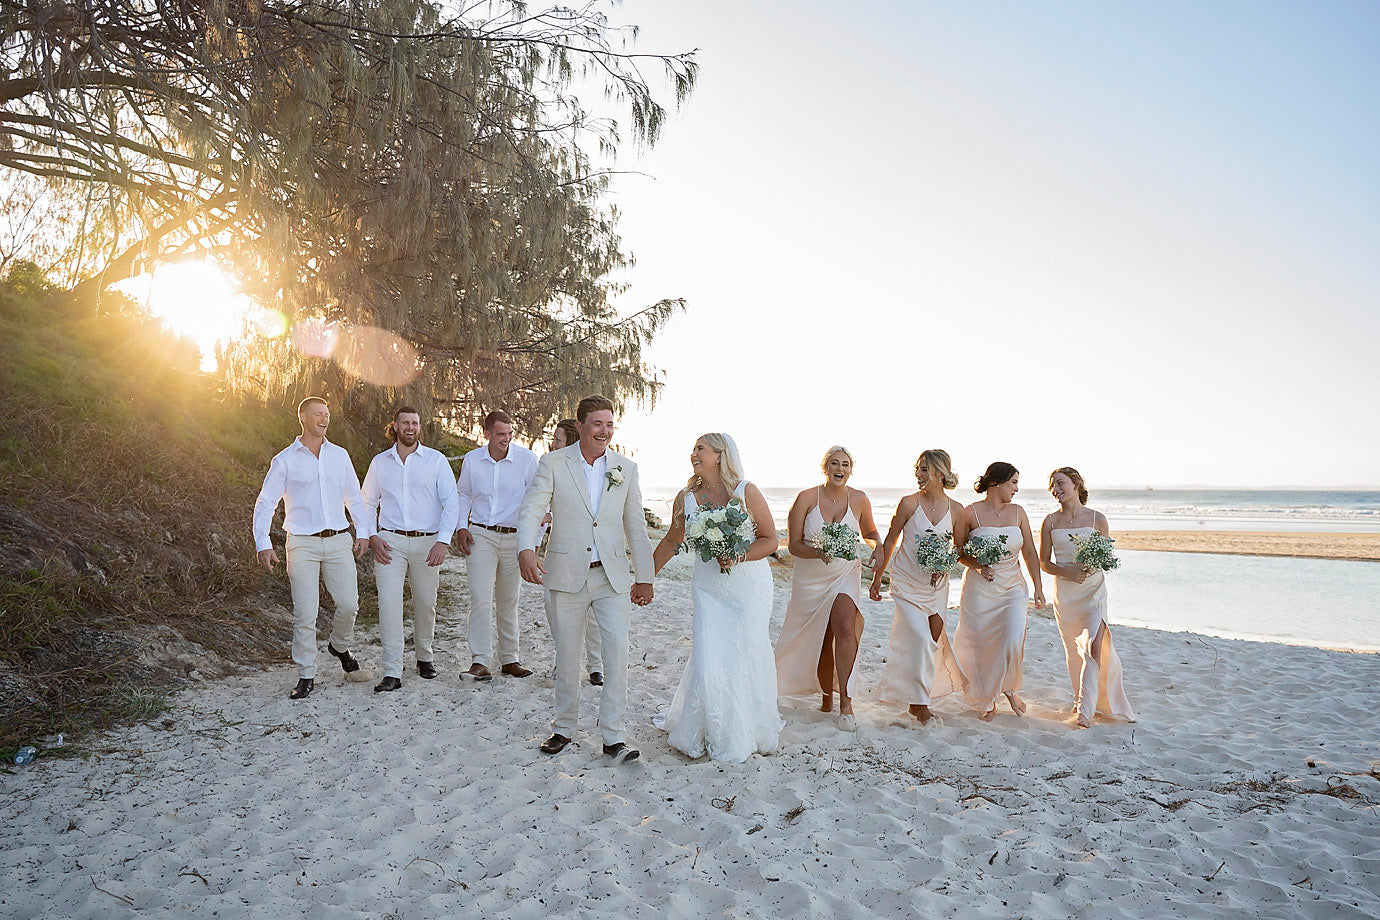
(990, 640)
(920, 663)
(818, 644)
(1080, 602)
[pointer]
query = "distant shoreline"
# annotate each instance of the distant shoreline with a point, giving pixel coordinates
(1360, 547)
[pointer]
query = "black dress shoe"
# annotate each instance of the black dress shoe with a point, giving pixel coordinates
(621, 753)
(596, 678)
(347, 661)
(555, 744)
(388, 683)
(303, 689)
(426, 669)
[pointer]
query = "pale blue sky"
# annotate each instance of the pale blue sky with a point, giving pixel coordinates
(1140, 239)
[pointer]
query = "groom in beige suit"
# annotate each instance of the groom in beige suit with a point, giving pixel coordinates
(597, 524)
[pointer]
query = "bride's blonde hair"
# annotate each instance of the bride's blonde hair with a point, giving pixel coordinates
(730, 463)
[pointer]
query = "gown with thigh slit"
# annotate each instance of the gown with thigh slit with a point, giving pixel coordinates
(725, 705)
(1081, 611)
(919, 668)
(990, 640)
(814, 586)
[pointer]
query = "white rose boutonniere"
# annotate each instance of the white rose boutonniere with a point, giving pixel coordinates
(615, 477)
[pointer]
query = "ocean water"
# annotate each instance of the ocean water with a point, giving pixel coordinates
(1324, 602)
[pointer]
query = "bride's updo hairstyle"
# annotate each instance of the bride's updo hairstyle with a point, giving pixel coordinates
(730, 461)
(940, 465)
(996, 474)
(1074, 477)
(836, 449)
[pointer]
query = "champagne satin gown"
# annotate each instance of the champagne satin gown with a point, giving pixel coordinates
(919, 668)
(989, 643)
(814, 585)
(1081, 611)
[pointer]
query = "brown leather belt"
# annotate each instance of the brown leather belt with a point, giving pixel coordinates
(323, 533)
(497, 529)
(410, 533)
(596, 565)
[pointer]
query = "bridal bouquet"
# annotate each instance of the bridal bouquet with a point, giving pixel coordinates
(720, 533)
(935, 554)
(986, 550)
(838, 541)
(1095, 552)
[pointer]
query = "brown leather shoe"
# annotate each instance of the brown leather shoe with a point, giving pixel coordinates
(515, 669)
(555, 744)
(621, 753)
(479, 672)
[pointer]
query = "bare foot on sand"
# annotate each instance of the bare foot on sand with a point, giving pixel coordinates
(828, 704)
(1083, 721)
(989, 715)
(1017, 704)
(921, 712)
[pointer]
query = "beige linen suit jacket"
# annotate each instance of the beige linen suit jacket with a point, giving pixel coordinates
(619, 530)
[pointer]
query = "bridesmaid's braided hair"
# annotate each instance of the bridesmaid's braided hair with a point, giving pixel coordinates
(1076, 478)
(997, 472)
(940, 465)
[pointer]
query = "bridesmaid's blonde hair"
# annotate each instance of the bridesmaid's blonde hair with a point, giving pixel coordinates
(1076, 478)
(939, 463)
(730, 464)
(836, 449)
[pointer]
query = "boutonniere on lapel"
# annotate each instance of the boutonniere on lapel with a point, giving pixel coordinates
(615, 477)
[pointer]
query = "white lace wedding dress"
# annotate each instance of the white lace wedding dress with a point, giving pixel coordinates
(725, 705)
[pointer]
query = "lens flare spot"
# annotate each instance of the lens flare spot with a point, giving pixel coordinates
(316, 337)
(378, 356)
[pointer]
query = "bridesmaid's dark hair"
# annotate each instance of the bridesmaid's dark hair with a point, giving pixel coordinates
(996, 474)
(1074, 477)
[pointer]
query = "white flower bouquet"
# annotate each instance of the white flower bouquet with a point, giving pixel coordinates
(720, 533)
(986, 550)
(935, 554)
(1095, 552)
(838, 541)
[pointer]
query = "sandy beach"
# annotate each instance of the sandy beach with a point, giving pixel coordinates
(1361, 546)
(1247, 788)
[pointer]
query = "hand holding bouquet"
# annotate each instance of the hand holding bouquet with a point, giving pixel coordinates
(838, 541)
(1095, 553)
(986, 550)
(935, 554)
(720, 533)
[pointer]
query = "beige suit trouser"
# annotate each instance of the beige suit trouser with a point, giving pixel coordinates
(594, 660)
(310, 560)
(610, 609)
(494, 585)
(407, 560)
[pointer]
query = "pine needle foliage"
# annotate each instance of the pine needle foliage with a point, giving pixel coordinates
(422, 168)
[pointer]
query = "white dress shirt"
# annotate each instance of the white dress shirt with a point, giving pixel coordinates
(491, 490)
(596, 482)
(416, 493)
(316, 491)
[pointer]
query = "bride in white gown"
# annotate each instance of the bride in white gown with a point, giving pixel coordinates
(725, 705)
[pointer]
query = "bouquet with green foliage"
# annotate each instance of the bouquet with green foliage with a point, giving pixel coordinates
(720, 533)
(838, 541)
(935, 554)
(986, 550)
(1095, 552)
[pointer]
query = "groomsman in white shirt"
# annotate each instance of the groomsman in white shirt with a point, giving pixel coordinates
(412, 491)
(316, 482)
(492, 481)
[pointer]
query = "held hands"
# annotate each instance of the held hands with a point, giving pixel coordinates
(641, 594)
(464, 540)
(361, 547)
(380, 548)
(874, 590)
(1039, 599)
(268, 559)
(531, 568)
(437, 554)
